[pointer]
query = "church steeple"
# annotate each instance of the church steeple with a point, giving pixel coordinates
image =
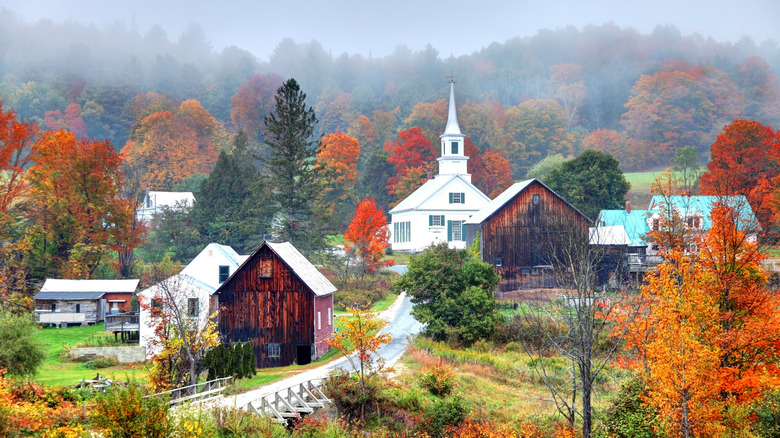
(452, 160)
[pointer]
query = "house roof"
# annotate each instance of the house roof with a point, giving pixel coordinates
(634, 223)
(702, 206)
(431, 188)
(302, 267)
(103, 286)
(506, 196)
(68, 295)
(170, 199)
(181, 279)
(609, 235)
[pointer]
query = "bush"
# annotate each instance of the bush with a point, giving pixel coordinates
(439, 380)
(231, 360)
(98, 363)
(352, 401)
(444, 414)
(124, 412)
(767, 413)
(232, 422)
(20, 352)
(628, 416)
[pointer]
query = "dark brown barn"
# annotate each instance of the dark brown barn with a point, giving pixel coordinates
(281, 303)
(522, 231)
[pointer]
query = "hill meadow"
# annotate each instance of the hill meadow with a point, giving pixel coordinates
(316, 148)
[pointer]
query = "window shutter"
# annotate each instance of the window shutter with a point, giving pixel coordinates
(449, 231)
(450, 198)
(441, 222)
(463, 230)
(430, 220)
(462, 198)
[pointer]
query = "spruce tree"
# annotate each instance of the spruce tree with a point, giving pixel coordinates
(295, 188)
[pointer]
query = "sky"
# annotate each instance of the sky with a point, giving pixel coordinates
(376, 28)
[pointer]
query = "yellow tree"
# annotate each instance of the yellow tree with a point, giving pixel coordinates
(681, 357)
(359, 335)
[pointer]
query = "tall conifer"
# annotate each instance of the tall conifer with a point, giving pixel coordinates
(295, 188)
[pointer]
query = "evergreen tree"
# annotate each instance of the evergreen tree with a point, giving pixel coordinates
(294, 185)
(226, 211)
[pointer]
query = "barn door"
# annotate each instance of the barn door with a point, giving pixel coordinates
(303, 354)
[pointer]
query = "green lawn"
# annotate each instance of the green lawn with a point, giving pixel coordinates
(641, 187)
(55, 371)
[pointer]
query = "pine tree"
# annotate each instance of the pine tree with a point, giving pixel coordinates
(295, 188)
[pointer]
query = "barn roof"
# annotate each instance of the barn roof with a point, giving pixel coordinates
(68, 295)
(507, 196)
(301, 266)
(103, 286)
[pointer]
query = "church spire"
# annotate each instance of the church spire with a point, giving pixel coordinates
(452, 118)
(453, 160)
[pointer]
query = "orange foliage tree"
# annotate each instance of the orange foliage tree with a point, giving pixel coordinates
(430, 118)
(499, 174)
(412, 151)
(74, 204)
(745, 159)
(337, 162)
(253, 101)
(368, 237)
(15, 156)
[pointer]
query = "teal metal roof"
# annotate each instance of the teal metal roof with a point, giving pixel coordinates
(702, 206)
(635, 223)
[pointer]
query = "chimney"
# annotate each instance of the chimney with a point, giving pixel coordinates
(628, 207)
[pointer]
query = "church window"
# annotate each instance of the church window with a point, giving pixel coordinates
(436, 220)
(457, 198)
(456, 231)
(455, 147)
(402, 232)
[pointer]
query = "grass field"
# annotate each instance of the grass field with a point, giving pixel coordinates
(56, 371)
(641, 188)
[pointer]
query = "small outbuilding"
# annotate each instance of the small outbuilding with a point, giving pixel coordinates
(281, 303)
(82, 301)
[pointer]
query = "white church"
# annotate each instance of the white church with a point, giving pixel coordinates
(435, 212)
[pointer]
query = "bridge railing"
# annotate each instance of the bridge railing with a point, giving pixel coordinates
(292, 402)
(196, 392)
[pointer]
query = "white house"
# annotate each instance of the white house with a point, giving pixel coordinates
(436, 211)
(155, 202)
(191, 290)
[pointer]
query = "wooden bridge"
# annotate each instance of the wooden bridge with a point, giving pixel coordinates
(197, 392)
(293, 402)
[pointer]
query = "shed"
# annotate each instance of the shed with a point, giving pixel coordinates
(82, 301)
(281, 303)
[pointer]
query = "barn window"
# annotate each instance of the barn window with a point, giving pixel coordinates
(535, 199)
(330, 316)
(499, 262)
(525, 271)
(53, 307)
(274, 350)
(457, 198)
(436, 220)
(224, 273)
(265, 268)
(78, 308)
(319, 320)
(192, 307)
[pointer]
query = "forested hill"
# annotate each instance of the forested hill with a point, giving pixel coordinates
(602, 87)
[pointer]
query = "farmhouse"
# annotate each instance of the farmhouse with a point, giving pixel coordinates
(436, 211)
(694, 214)
(191, 290)
(523, 229)
(155, 202)
(62, 302)
(281, 303)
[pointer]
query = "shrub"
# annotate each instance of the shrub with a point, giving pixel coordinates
(444, 414)
(230, 360)
(98, 363)
(767, 413)
(629, 416)
(514, 347)
(352, 401)
(438, 379)
(232, 422)
(124, 412)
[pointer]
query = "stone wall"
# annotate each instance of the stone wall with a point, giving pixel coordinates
(121, 354)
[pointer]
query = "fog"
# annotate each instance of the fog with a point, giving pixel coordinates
(375, 29)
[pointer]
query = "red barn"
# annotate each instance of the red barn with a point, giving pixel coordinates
(281, 303)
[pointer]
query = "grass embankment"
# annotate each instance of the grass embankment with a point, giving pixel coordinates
(57, 371)
(500, 381)
(641, 187)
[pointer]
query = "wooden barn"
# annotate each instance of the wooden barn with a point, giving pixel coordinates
(522, 230)
(281, 303)
(63, 302)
